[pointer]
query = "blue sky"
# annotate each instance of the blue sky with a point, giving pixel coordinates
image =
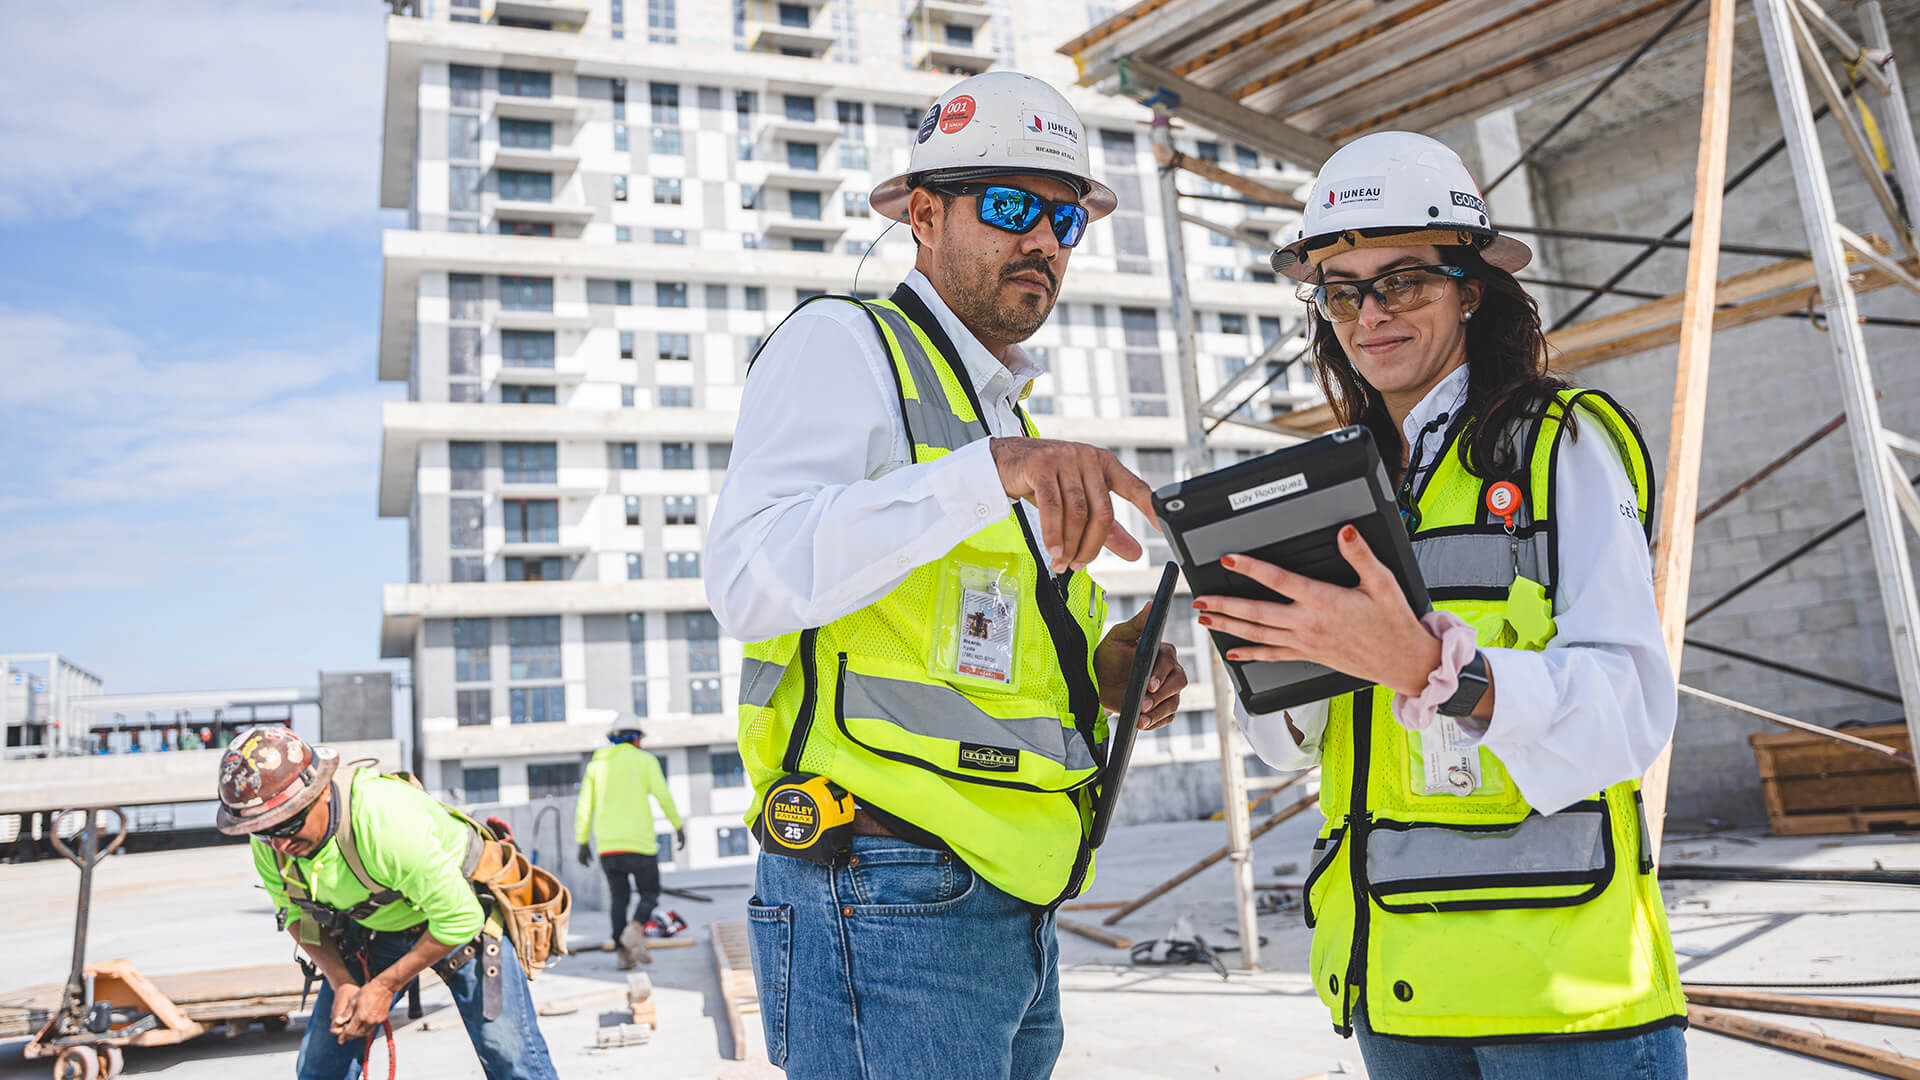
(189, 294)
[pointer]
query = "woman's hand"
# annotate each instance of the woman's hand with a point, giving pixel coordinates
(1367, 631)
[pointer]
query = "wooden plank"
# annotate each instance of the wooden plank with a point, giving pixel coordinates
(1870, 1059)
(1176, 880)
(733, 968)
(1252, 189)
(1673, 551)
(1864, 821)
(1249, 75)
(1094, 933)
(1211, 109)
(1239, 37)
(1329, 28)
(1824, 1008)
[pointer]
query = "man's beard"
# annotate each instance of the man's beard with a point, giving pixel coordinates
(976, 298)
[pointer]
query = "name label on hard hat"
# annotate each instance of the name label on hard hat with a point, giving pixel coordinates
(1471, 202)
(1361, 191)
(1046, 125)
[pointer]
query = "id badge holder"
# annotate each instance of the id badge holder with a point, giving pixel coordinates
(976, 622)
(1445, 767)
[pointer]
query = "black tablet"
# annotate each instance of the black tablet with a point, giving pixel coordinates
(1126, 724)
(1287, 508)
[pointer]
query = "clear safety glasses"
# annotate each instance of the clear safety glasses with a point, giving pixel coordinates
(1399, 290)
(1016, 210)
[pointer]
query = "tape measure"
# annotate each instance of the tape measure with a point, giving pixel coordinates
(805, 817)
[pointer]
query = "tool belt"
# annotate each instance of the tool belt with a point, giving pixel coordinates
(486, 947)
(533, 905)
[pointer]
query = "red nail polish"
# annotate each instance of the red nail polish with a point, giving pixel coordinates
(1204, 621)
(1226, 561)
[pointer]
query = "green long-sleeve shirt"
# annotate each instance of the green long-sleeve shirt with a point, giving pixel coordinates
(613, 801)
(407, 842)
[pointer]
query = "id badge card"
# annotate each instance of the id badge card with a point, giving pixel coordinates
(976, 626)
(1451, 766)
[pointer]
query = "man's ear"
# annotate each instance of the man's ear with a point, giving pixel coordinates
(924, 215)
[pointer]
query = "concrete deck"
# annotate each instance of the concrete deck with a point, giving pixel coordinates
(185, 911)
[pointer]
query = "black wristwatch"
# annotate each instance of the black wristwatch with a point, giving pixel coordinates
(1474, 681)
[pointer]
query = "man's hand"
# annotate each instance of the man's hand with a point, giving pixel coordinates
(358, 1010)
(680, 838)
(586, 855)
(1068, 483)
(1113, 663)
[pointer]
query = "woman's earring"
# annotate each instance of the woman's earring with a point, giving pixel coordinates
(1468, 315)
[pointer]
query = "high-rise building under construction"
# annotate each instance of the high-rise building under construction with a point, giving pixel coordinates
(608, 205)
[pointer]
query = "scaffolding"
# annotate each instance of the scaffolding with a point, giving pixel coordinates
(1297, 78)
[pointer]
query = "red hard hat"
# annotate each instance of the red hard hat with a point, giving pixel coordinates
(267, 775)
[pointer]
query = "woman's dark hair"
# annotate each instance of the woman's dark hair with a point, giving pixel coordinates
(1507, 380)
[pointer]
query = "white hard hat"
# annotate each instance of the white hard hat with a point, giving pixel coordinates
(995, 124)
(1391, 188)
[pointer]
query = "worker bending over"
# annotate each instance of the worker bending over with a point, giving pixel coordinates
(373, 879)
(614, 809)
(921, 700)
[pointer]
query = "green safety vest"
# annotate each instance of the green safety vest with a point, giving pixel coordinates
(1484, 920)
(1000, 775)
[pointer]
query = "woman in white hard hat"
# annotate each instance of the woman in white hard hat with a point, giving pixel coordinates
(1483, 897)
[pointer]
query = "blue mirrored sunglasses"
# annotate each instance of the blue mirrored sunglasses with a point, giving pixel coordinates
(1016, 210)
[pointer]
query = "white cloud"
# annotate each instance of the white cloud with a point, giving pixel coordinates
(194, 117)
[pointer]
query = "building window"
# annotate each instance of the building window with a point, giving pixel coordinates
(463, 136)
(853, 119)
(517, 83)
(670, 236)
(467, 464)
(480, 785)
(1040, 404)
(703, 696)
(526, 293)
(702, 633)
(465, 294)
(466, 568)
(665, 141)
(1232, 323)
(520, 186)
(525, 134)
(660, 22)
(619, 189)
(804, 156)
(804, 205)
(853, 155)
(619, 137)
(854, 203)
(676, 397)
(523, 228)
(682, 510)
(730, 841)
(474, 707)
(537, 705)
(626, 346)
(960, 35)
(749, 197)
(618, 16)
(467, 520)
(472, 642)
(534, 646)
(637, 643)
(529, 463)
(633, 509)
(1244, 157)
(794, 15)
(636, 566)
(531, 521)
(542, 568)
(754, 297)
(618, 88)
(728, 770)
(516, 394)
(676, 455)
(670, 293)
(718, 454)
(799, 108)
(626, 397)
(666, 190)
(526, 348)
(803, 243)
(622, 234)
(683, 564)
(553, 780)
(464, 83)
(1221, 273)
(665, 98)
(745, 104)
(717, 297)
(623, 293)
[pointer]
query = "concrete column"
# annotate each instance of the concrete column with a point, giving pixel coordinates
(1512, 202)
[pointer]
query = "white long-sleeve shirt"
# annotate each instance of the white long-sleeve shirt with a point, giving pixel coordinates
(823, 510)
(1597, 704)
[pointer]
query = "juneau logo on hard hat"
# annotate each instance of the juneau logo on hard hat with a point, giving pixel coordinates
(1355, 193)
(1046, 125)
(957, 115)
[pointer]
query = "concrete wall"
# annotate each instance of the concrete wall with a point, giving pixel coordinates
(1631, 171)
(356, 705)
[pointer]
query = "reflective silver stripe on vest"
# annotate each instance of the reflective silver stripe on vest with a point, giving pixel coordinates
(758, 680)
(930, 418)
(940, 712)
(1564, 843)
(1478, 560)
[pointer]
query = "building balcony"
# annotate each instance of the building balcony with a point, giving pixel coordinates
(774, 37)
(536, 549)
(809, 131)
(522, 210)
(405, 607)
(557, 12)
(510, 319)
(538, 376)
(559, 108)
(802, 180)
(952, 12)
(544, 490)
(940, 56)
(584, 731)
(806, 228)
(559, 161)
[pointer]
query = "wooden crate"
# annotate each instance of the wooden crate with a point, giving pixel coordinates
(1816, 786)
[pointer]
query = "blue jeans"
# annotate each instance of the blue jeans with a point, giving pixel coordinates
(509, 1046)
(1652, 1055)
(901, 964)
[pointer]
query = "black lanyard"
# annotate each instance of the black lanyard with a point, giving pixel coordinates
(1409, 513)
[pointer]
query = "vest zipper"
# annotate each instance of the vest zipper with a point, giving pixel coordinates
(1082, 859)
(1359, 822)
(810, 685)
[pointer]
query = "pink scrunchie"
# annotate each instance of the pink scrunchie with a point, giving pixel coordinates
(1457, 642)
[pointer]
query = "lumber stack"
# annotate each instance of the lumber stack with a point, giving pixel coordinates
(1814, 786)
(733, 966)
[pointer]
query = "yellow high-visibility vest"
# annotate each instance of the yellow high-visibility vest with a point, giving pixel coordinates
(1000, 774)
(1482, 919)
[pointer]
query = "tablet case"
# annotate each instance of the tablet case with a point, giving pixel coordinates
(1287, 508)
(1125, 726)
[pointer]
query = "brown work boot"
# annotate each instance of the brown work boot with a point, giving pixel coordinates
(632, 947)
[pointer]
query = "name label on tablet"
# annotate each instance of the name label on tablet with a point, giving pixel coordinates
(1254, 496)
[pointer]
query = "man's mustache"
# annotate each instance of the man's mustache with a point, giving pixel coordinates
(1039, 266)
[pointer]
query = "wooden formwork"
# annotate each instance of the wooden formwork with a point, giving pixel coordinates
(1814, 786)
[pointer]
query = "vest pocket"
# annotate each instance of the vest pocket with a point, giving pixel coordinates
(1324, 850)
(1558, 860)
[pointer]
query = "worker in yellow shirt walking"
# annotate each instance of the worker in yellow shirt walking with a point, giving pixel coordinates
(614, 810)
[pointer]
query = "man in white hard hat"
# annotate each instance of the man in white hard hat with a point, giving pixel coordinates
(921, 708)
